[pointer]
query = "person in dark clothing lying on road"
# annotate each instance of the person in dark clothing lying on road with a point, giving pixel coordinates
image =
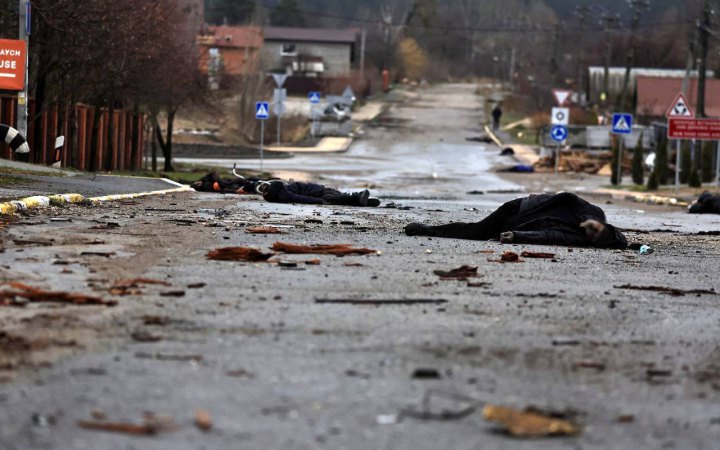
(297, 192)
(549, 219)
(707, 203)
(213, 183)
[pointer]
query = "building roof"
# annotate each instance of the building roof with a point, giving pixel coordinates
(655, 94)
(233, 36)
(644, 71)
(347, 36)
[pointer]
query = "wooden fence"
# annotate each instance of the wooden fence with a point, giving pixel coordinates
(119, 144)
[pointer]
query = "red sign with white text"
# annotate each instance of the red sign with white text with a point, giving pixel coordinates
(13, 55)
(700, 129)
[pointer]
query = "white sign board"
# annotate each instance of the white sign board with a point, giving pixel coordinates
(560, 116)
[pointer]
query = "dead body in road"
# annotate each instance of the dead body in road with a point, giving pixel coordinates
(549, 219)
(212, 182)
(707, 203)
(311, 193)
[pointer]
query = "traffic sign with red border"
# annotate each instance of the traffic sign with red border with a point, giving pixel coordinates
(680, 108)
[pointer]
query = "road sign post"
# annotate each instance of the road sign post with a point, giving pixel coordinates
(24, 8)
(262, 113)
(717, 164)
(314, 98)
(279, 98)
(560, 119)
(622, 125)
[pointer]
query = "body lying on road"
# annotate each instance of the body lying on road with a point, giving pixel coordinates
(707, 203)
(311, 193)
(549, 219)
(213, 183)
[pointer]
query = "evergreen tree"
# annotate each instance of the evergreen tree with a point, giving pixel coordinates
(638, 171)
(287, 14)
(232, 12)
(652, 183)
(661, 161)
(708, 162)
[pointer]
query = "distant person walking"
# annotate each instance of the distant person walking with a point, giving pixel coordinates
(496, 115)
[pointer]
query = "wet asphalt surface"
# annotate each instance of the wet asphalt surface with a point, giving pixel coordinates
(249, 342)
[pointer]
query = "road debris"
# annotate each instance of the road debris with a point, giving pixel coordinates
(150, 426)
(461, 273)
(203, 420)
(169, 357)
(196, 285)
(529, 423)
(600, 367)
(646, 250)
(333, 249)
(674, 292)
(441, 406)
(510, 257)
(425, 373)
(239, 254)
(407, 301)
(386, 419)
(538, 255)
(9, 297)
(264, 230)
(176, 293)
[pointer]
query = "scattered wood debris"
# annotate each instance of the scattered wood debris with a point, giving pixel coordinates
(462, 273)
(9, 297)
(203, 420)
(333, 249)
(150, 426)
(529, 423)
(538, 255)
(674, 292)
(403, 301)
(239, 254)
(264, 230)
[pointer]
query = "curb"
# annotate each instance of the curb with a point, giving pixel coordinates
(41, 201)
(641, 198)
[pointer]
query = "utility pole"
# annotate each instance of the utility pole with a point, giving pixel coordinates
(637, 7)
(702, 53)
(24, 34)
(610, 22)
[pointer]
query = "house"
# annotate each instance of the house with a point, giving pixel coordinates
(655, 95)
(309, 52)
(229, 52)
(616, 79)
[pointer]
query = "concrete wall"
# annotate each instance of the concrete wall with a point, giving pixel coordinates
(337, 57)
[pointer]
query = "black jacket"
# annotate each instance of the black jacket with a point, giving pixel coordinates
(554, 219)
(281, 192)
(706, 204)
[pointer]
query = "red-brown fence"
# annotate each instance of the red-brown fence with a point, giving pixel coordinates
(119, 144)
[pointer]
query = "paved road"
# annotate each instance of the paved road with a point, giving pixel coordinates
(278, 370)
(86, 185)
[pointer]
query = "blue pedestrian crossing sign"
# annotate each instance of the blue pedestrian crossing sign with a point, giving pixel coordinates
(622, 123)
(559, 133)
(314, 97)
(262, 110)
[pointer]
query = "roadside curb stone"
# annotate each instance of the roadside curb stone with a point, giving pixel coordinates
(41, 201)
